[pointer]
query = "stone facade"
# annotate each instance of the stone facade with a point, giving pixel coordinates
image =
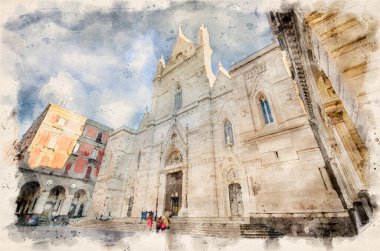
(238, 144)
(332, 58)
(59, 161)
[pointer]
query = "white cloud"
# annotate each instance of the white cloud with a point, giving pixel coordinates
(61, 90)
(90, 67)
(116, 112)
(104, 60)
(114, 104)
(140, 54)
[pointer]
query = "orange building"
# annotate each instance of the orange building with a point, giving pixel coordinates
(59, 161)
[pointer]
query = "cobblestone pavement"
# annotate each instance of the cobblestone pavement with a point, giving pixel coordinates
(69, 238)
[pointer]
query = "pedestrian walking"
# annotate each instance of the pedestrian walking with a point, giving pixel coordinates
(150, 222)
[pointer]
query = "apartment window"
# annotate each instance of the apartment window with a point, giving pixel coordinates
(52, 142)
(61, 122)
(76, 148)
(99, 137)
(67, 169)
(94, 154)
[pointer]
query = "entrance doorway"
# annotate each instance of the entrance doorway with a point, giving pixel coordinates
(78, 204)
(173, 198)
(54, 202)
(236, 202)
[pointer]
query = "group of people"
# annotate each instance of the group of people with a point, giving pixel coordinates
(144, 215)
(104, 217)
(162, 222)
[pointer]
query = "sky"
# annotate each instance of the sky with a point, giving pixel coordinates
(100, 62)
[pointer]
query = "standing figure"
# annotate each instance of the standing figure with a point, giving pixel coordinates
(166, 221)
(158, 224)
(150, 222)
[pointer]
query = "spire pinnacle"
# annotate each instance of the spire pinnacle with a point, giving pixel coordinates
(181, 35)
(162, 60)
(223, 70)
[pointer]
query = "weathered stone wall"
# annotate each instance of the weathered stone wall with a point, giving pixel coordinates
(334, 59)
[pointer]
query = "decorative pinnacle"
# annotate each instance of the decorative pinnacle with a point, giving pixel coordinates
(162, 60)
(181, 35)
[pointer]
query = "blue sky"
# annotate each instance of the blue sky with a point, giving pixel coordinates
(100, 62)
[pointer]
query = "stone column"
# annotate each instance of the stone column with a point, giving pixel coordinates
(77, 208)
(65, 208)
(161, 195)
(41, 201)
(184, 189)
(87, 206)
(245, 197)
(184, 205)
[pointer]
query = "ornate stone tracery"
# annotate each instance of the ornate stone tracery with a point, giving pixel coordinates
(174, 158)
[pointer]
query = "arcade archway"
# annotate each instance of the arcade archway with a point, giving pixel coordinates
(27, 198)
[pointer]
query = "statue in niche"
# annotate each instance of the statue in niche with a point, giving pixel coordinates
(228, 135)
(174, 137)
(231, 175)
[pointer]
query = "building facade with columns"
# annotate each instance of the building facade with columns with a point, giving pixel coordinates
(59, 160)
(237, 144)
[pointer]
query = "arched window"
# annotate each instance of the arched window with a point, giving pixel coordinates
(265, 108)
(228, 135)
(138, 160)
(178, 98)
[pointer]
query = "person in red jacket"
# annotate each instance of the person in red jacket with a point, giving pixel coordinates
(150, 222)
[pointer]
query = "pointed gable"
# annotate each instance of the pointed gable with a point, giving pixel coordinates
(223, 81)
(183, 49)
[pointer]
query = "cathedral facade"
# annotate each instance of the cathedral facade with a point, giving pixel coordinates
(235, 145)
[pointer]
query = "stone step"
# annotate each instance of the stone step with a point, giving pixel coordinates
(218, 227)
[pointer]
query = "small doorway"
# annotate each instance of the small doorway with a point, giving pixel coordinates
(236, 202)
(54, 202)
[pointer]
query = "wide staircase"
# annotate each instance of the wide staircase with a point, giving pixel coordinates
(198, 227)
(121, 224)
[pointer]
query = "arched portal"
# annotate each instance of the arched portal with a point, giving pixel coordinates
(27, 198)
(78, 204)
(54, 201)
(174, 180)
